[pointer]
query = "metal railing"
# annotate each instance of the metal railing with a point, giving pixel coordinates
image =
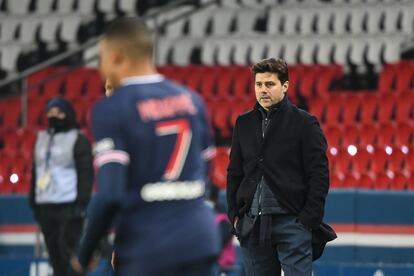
(19, 82)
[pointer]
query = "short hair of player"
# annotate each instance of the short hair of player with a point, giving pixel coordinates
(131, 35)
(271, 65)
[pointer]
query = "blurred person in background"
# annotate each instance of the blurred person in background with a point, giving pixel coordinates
(278, 179)
(227, 257)
(61, 185)
(151, 151)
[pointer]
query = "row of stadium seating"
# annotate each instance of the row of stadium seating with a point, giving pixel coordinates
(228, 32)
(376, 124)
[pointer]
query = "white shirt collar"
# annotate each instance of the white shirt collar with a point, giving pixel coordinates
(142, 79)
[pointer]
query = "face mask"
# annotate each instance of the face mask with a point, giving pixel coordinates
(56, 123)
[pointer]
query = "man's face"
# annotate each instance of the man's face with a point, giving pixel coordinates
(56, 113)
(269, 90)
(108, 63)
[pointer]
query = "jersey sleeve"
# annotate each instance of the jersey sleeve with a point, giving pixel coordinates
(111, 161)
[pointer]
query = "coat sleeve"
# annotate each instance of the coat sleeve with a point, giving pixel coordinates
(84, 169)
(316, 167)
(235, 174)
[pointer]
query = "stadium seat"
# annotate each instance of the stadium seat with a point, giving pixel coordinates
(399, 182)
(386, 108)
(350, 136)
(69, 28)
(369, 105)
(317, 107)
(351, 181)
(379, 161)
(128, 6)
(386, 135)
(383, 181)
(351, 106)
(28, 29)
(20, 7)
(367, 181)
(404, 136)
(11, 116)
(334, 136)
(335, 181)
(64, 6)
(387, 78)
(368, 136)
(9, 53)
(334, 109)
(405, 107)
(219, 166)
(49, 28)
(405, 75)
(85, 7)
(44, 7)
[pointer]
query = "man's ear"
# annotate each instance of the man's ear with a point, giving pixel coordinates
(285, 86)
(117, 57)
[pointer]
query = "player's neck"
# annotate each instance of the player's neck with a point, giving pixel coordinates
(138, 70)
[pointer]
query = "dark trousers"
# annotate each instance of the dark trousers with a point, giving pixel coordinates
(290, 249)
(202, 267)
(61, 226)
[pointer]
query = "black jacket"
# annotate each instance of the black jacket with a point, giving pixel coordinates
(291, 156)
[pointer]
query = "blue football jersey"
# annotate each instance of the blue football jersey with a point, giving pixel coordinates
(152, 145)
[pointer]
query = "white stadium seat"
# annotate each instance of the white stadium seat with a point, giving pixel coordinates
(9, 26)
(19, 7)
(222, 20)
(28, 28)
(65, 6)
(128, 6)
(246, 20)
(198, 22)
(48, 28)
(9, 54)
(182, 50)
(70, 28)
(85, 7)
(44, 6)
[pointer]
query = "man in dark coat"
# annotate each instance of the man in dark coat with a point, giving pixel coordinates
(277, 179)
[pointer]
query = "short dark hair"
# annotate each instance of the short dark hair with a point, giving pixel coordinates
(271, 65)
(132, 34)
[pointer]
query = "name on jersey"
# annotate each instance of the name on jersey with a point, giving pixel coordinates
(173, 190)
(156, 109)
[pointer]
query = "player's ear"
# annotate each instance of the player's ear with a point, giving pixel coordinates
(117, 56)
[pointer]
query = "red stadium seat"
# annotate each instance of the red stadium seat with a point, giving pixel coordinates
(74, 83)
(397, 161)
(386, 108)
(350, 136)
(328, 75)
(334, 136)
(342, 163)
(368, 136)
(367, 181)
(399, 182)
(383, 181)
(317, 107)
(336, 181)
(387, 79)
(351, 181)
(350, 108)
(219, 167)
(333, 109)
(405, 107)
(362, 161)
(386, 135)
(379, 161)
(405, 75)
(37, 112)
(94, 85)
(369, 106)
(54, 86)
(11, 115)
(404, 135)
